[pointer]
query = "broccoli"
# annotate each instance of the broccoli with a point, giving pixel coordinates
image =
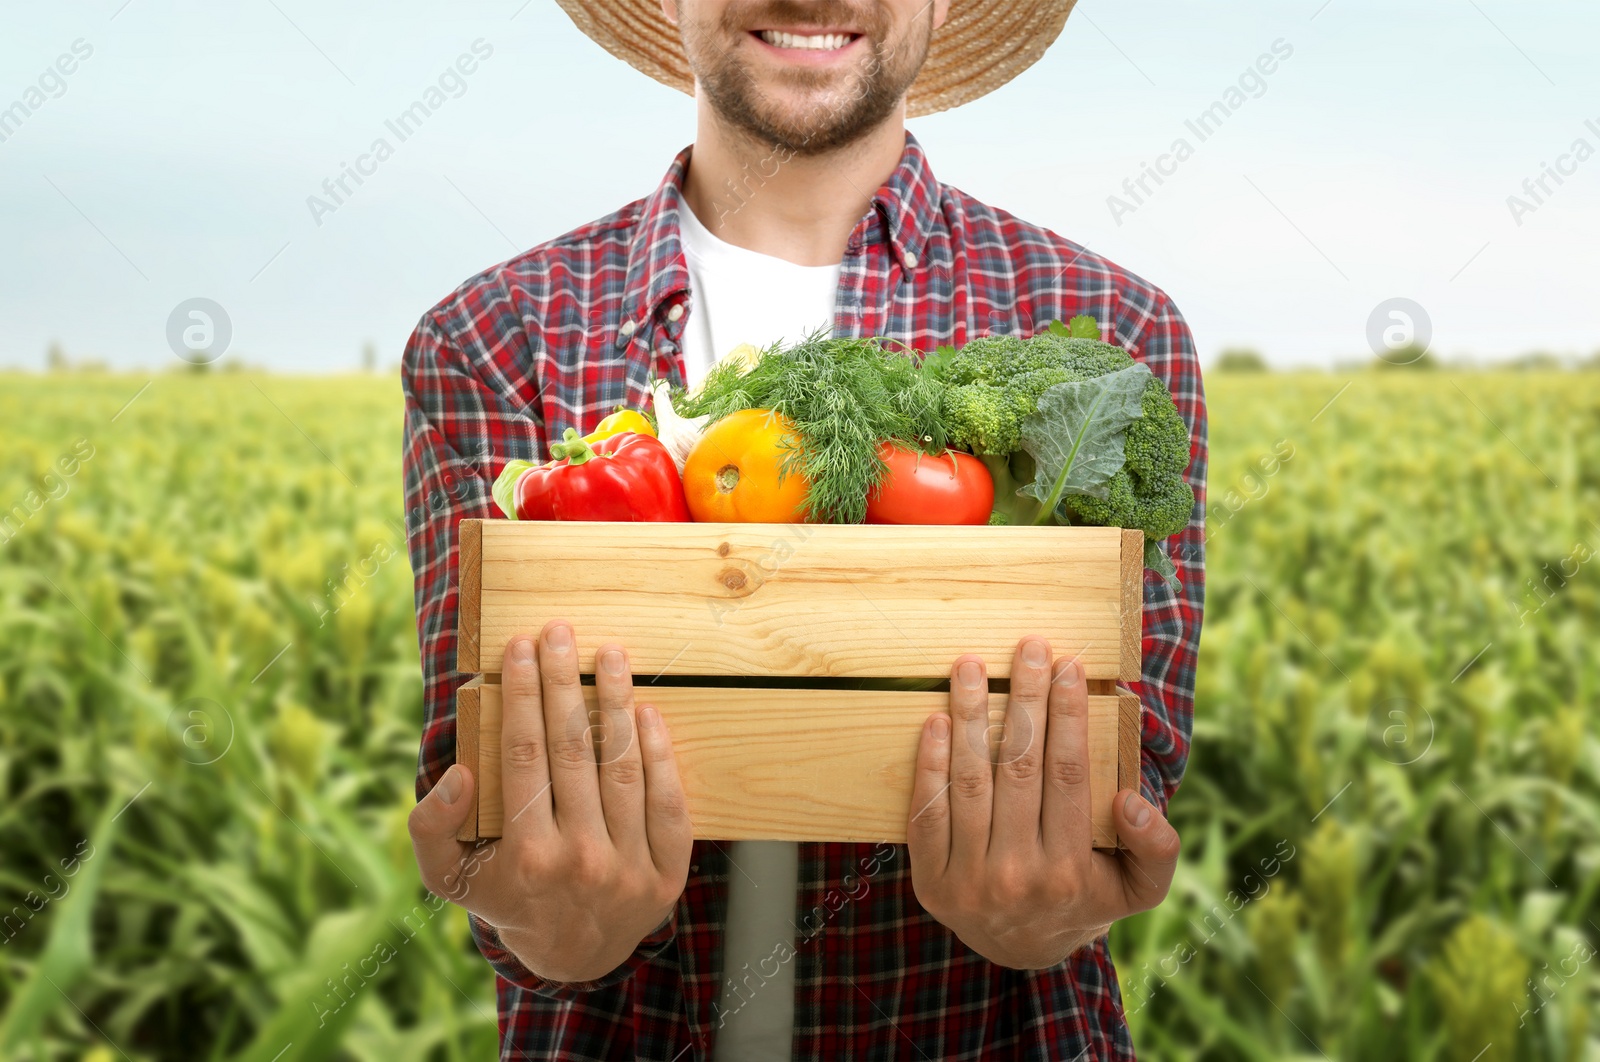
(1150, 492)
(994, 383)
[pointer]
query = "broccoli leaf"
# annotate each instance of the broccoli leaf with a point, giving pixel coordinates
(1156, 559)
(1077, 436)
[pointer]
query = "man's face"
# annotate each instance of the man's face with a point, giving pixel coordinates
(805, 75)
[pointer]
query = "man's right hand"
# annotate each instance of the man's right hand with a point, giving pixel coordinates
(595, 850)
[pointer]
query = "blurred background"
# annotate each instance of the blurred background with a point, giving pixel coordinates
(1387, 248)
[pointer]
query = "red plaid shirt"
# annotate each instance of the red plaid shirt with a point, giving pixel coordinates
(557, 337)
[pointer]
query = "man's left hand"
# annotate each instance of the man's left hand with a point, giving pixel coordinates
(1001, 853)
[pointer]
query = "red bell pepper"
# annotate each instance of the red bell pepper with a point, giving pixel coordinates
(627, 477)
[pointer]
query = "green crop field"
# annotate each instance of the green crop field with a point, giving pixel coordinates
(212, 703)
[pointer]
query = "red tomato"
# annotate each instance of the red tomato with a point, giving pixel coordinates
(950, 488)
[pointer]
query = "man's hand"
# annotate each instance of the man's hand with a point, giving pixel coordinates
(1001, 854)
(594, 854)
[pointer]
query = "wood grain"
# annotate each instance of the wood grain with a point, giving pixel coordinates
(469, 577)
(469, 727)
(491, 812)
(1133, 605)
(805, 600)
(1130, 736)
(800, 765)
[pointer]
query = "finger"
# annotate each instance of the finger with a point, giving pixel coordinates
(928, 831)
(574, 771)
(667, 822)
(1017, 789)
(1066, 814)
(524, 756)
(971, 770)
(621, 766)
(433, 825)
(1149, 856)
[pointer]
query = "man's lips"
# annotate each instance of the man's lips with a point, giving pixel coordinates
(806, 45)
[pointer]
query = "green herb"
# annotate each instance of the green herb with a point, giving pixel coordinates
(846, 396)
(1080, 327)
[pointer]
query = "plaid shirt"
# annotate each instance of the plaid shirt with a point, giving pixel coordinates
(557, 337)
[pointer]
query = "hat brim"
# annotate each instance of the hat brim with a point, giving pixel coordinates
(982, 45)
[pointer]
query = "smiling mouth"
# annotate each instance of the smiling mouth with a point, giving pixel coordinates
(819, 42)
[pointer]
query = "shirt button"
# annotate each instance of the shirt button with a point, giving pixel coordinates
(676, 313)
(694, 868)
(910, 261)
(628, 327)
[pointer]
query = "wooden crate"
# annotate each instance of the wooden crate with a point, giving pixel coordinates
(792, 609)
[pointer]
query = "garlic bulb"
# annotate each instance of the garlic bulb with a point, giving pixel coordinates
(677, 433)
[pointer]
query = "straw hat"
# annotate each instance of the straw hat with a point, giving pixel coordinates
(982, 45)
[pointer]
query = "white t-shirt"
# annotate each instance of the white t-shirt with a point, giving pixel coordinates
(742, 296)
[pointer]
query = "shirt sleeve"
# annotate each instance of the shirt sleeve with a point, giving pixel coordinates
(459, 433)
(449, 461)
(1171, 638)
(510, 967)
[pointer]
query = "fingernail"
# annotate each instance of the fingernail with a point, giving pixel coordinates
(1066, 675)
(970, 674)
(522, 651)
(449, 786)
(611, 661)
(1137, 810)
(560, 637)
(1034, 653)
(648, 718)
(941, 727)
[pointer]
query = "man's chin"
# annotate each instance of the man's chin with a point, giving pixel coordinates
(798, 117)
(803, 138)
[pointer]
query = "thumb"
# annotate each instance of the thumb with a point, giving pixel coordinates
(1149, 850)
(433, 825)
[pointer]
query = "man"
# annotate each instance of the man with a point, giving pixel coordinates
(802, 201)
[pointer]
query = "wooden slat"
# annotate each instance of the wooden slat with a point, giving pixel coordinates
(1133, 605)
(1130, 735)
(805, 600)
(469, 575)
(491, 811)
(801, 765)
(468, 729)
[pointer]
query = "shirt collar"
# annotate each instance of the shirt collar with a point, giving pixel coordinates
(908, 204)
(656, 267)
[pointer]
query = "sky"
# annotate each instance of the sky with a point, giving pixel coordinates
(177, 158)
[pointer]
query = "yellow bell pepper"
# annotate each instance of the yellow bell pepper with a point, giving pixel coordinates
(620, 421)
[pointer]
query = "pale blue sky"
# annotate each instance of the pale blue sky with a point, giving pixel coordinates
(1377, 162)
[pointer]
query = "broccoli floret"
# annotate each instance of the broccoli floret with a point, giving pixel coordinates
(1158, 506)
(993, 383)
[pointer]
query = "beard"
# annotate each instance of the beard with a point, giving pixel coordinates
(835, 108)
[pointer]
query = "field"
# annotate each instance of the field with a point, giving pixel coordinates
(212, 702)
